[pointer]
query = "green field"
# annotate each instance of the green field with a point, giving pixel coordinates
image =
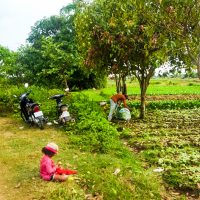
(156, 87)
(167, 139)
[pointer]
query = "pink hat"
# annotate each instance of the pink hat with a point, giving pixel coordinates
(52, 147)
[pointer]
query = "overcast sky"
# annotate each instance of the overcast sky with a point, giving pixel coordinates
(17, 17)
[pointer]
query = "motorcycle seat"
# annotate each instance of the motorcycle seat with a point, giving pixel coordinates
(33, 104)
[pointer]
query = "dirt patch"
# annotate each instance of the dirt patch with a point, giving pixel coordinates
(8, 134)
(3, 184)
(5, 121)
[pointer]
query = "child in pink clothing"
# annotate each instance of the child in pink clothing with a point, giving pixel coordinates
(48, 170)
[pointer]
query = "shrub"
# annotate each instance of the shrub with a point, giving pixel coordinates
(92, 131)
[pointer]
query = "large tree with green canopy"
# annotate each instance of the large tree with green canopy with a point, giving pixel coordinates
(51, 57)
(51, 51)
(181, 22)
(123, 37)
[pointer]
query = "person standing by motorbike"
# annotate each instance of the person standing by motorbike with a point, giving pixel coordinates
(115, 101)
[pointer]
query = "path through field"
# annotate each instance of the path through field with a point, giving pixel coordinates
(20, 152)
(4, 133)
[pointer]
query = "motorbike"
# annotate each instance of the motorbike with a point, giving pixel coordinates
(62, 110)
(30, 111)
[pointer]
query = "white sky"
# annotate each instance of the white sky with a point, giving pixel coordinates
(17, 17)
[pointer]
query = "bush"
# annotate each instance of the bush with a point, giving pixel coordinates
(92, 131)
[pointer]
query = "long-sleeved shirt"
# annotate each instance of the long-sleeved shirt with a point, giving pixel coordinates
(47, 168)
(119, 97)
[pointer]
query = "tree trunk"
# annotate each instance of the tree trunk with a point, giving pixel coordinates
(65, 82)
(144, 83)
(142, 97)
(198, 70)
(195, 60)
(124, 87)
(118, 83)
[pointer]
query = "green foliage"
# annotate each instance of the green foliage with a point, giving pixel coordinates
(51, 58)
(176, 104)
(9, 68)
(51, 52)
(169, 139)
(92, 143)
(92, 130)
(8, 102)
(184, 37)
(177, 180)
(123, 39)
(65, 193)
(165, 105)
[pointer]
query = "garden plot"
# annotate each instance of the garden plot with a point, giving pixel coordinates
(170, 140)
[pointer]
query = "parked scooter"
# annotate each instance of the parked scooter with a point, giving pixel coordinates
(30, 111)
(62, 110)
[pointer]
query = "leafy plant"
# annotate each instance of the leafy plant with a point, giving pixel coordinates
(92, 131)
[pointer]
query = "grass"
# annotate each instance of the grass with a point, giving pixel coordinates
(19, 160)
(20, 155)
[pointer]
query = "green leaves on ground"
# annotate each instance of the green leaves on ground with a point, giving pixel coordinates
(92, 130)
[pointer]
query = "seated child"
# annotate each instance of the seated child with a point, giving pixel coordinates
(48, 170)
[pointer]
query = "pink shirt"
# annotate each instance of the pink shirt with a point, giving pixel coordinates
(47, 168)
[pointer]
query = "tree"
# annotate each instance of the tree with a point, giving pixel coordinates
(123, 38)
(9, 68)
(98, 40)
(181, 21)
(59, 62)
(51, 57)
(6, 60)
(53, 50)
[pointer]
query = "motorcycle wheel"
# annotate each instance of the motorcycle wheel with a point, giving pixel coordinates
(40, 123)
(23, 116)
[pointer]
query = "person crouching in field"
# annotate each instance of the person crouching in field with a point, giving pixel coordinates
(115, 101)
(48, 170)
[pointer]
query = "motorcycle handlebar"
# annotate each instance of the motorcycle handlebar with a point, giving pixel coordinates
(28, 92)
(25, 95)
